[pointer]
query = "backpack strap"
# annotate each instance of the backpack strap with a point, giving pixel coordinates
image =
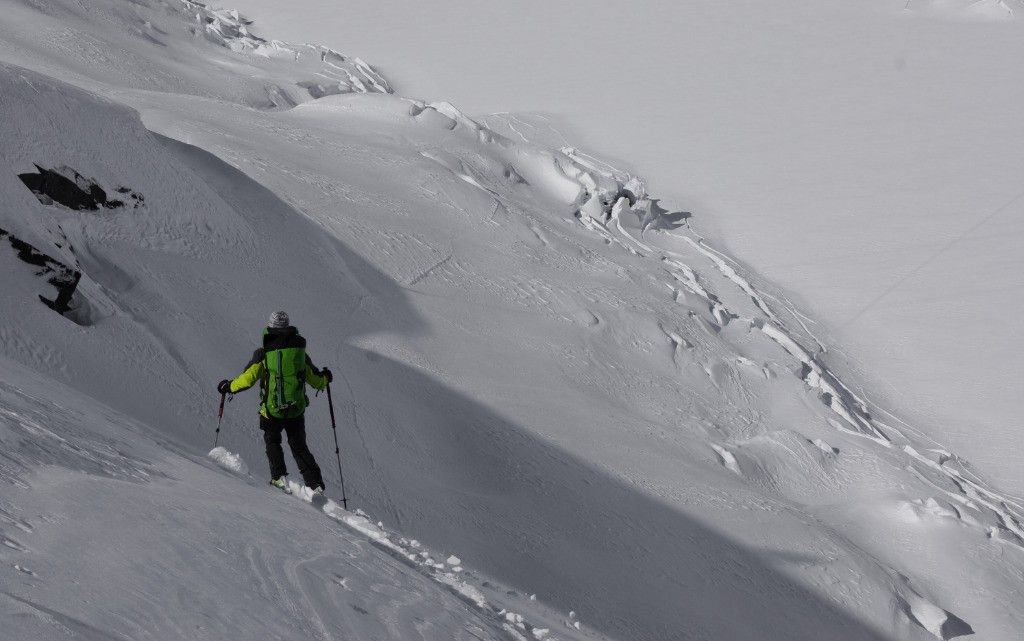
(265, 382)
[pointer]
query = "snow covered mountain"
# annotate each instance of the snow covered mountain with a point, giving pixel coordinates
(572, 416)
(863, 156)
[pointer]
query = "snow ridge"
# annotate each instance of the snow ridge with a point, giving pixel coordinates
(340, 74)
(519, 171)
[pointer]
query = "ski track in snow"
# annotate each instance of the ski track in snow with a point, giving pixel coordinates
(448, 573)
(81, 476)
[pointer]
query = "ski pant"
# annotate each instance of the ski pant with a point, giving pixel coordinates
(296, 430)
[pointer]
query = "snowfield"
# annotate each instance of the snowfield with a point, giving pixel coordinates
(564, 412)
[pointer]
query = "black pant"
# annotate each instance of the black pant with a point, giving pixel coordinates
(296, 429)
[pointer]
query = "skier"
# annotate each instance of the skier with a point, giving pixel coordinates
(283, 368)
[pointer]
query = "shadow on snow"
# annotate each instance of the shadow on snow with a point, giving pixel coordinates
(450, 471)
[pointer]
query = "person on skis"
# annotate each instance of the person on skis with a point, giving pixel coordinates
(283, 369)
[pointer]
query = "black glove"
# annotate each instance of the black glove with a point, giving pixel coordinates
(224, 387)
(326, 373)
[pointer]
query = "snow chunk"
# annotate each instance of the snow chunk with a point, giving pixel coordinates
(921, 509)
(825, 447)
(728, 460)
(463, 589)
(941, 623)
(228, 460)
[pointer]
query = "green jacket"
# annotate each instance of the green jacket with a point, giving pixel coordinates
(275, 338)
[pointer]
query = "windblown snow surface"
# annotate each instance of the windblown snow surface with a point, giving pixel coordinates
(562, 413)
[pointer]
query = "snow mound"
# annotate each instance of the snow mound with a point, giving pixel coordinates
(338, 73)
(565, 180)
(229, 460)
(917, 510)
(942, 624)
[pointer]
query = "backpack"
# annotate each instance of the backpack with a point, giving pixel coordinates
(284, 379)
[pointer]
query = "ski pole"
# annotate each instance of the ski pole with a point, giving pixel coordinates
(337, 450)
(220, 417)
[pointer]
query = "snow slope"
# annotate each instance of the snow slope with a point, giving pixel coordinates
(862, 155)
(538, 369)
(108, 534)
